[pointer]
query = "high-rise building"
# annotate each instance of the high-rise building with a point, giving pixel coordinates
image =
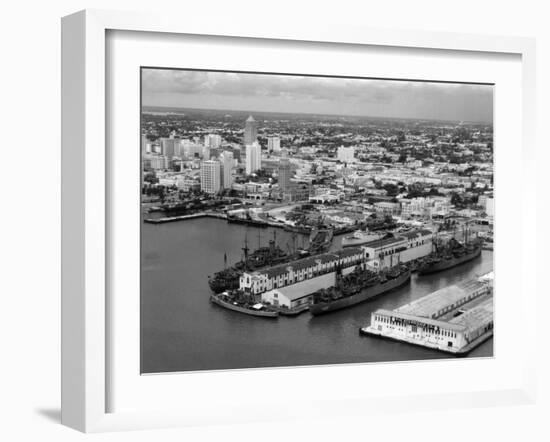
(250, 131)
(490, 207)
(205, 153)
(226, 167)
(179, 150)
(210, 176)
(253, 157)
(273, 144)
(284, 173)
(213, 141)
(346, 154)
(157, 162)
(168, 146)
(144, 143)
(190, 149)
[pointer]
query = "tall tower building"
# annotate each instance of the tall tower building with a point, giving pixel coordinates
(210, 176)
(226, 166)
(253, 157)
(284, 173)
(273, 144)
(250, 131)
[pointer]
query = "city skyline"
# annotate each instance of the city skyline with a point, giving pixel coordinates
(278, 93)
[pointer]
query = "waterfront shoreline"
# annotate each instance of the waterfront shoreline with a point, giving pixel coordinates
(182, 331)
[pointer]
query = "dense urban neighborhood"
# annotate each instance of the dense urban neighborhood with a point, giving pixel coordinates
(309, 169)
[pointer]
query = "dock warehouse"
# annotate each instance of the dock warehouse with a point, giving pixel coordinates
(298, 294)
(294, 272)
(454, 319)
(446, 299)
(408, 246)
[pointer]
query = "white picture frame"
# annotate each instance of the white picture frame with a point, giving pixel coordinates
(85, 307)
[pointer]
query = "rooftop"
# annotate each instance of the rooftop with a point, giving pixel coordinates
(480, 315)
(308, 262)
(429, 305)
(427, 321)
(306, 287)
(416, 233)
(383, 242)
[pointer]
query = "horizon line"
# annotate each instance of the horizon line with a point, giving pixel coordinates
(143, 106)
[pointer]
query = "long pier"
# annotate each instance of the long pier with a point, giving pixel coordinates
(170, 219)
(455, 319)
(265, 222)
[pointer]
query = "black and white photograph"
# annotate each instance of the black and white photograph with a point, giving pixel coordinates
(275, 221)
(302, 220)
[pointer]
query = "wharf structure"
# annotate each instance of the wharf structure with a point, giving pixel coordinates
(291, 285)
(294, 272)
(406, 247)
(454, 319)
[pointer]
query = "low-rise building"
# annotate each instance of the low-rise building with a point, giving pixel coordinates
(425, 207)
(283, 275)
(387, 207)
(299, 294)
(346, 154)
(406, 247)
(453, 319)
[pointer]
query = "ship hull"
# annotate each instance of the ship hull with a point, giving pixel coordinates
(445, 264)
(320, 241)
(236, 308)
(223, 285)
(364, 295)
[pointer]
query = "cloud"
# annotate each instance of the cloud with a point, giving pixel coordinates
(320, 94)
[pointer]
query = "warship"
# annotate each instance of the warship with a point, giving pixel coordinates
(450, 255)
(358, 286)
(228, 278)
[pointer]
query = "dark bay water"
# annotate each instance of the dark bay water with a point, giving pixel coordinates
(181, 330)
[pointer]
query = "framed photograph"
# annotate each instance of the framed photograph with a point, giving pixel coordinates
(320, 215)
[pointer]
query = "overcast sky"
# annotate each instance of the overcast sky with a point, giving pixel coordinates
(320, 95)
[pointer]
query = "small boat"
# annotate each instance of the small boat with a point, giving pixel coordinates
(228, 301)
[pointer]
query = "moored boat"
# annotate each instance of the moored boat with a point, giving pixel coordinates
(320, 240)
(228, 278)
(359, 286)
(453, 256)
(229, 301)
